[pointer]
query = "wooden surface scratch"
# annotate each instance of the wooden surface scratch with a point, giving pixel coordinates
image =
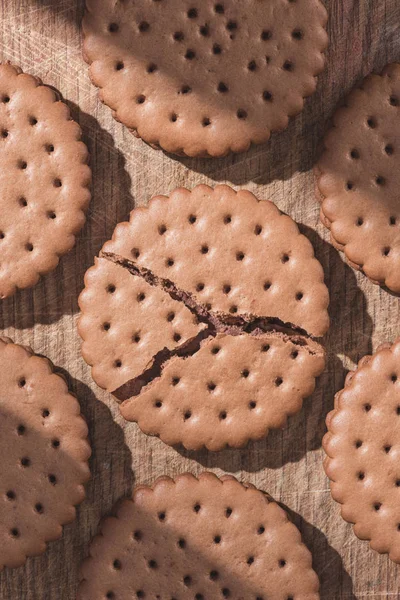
(43, 37)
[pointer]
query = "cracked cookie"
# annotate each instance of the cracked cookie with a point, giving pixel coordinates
(191, 273)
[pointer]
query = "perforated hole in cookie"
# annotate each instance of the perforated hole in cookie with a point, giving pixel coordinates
(190, 54)
(119, 65)
(222, 87)
(187, 580)
(4, 133)
(204, 30)
(22, 164)
(185, 89)
(386, 251)
(380, 180)
(14, 532)
(389, 149)
(137, 535)
(371, 122)
(217, 49)
(144, 26)
(140, 99)
(117, 363)
(21, 429)
(22, 202)
(206, 122)
(5, 98)
(394, 100)
(226, 592)
(241, 114)
(355, 154)
(252, 65)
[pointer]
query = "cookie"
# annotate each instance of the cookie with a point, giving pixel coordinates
(44, 451)
(205, 78)
(358, 178)
(199, 315)
(362, 447)
(44, 180)
(198, 539)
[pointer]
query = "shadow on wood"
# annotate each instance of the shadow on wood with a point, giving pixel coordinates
(334, 580)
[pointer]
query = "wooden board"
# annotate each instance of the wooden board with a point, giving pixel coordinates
(43, 37)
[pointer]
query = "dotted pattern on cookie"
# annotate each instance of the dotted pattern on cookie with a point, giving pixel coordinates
(125, 322)
(235, 388)
(44, 453)
(358, 176)
(363, 448)
(198, 539)
(44, 180)
(235, 254)
(205, 78)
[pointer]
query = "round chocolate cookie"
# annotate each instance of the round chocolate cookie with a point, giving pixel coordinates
(198, 539)
(358, 177)
(44, 180)
(204, 78)
(199, 316)
(363, 448)
(44, 450)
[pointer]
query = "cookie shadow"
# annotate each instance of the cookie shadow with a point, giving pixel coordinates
(111, 478)
(335, 582)
(348, 339)
(57, 293)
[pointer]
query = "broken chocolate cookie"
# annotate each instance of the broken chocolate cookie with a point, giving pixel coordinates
(200, 316)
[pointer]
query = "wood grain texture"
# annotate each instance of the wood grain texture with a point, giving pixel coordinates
(43, 37)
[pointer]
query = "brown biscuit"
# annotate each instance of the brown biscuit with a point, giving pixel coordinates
(198, 539)
(233, 253)
(234, 389)
(44, 179)
(202, 271)
(44, 450)
(359, 178)
(363, 448)
(204, 78)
